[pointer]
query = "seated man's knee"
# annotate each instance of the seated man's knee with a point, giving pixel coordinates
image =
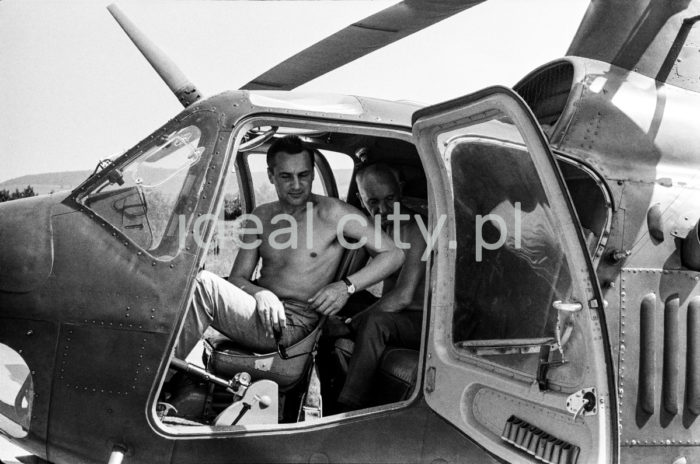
(206, 278)
(376, 322)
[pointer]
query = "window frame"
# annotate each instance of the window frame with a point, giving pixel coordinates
(245, 186)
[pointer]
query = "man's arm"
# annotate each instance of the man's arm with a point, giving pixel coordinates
(410, 277)
(269, 308)
(248, 255)
(386, 258)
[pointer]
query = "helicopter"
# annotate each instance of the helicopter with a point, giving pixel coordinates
(562, 280)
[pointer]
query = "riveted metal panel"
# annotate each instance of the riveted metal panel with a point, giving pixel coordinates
(654, 332)
(112, 402)
(613, 123)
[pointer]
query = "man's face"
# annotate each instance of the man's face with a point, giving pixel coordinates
(378, 193)
(292, 176)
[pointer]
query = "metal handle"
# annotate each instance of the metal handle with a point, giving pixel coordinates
(567, 307)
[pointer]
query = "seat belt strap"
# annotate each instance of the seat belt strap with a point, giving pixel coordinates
(312, 408)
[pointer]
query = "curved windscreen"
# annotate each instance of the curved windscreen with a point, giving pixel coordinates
(150, 199)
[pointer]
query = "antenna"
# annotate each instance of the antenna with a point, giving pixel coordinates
(184, 90)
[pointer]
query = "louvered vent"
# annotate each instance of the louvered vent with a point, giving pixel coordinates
(547, 91)
(544, 447)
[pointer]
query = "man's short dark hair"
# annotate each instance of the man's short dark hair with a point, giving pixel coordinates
(290, 144)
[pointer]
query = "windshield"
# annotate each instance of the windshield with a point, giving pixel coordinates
(150, 198)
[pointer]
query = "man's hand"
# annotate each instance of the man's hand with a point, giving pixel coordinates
(271, 312)
(330, 299)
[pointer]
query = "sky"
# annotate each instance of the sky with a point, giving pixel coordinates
(75, 90)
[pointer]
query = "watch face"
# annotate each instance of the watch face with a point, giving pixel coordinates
(351, 286)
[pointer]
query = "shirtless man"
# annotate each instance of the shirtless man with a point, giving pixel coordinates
(396, 318)
(299, 238)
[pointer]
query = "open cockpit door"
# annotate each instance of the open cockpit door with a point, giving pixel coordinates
(517, 357)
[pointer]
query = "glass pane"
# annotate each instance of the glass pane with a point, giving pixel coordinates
(510, 263)
(16, 393)
(343, 167)
(224, 244)
(142, 198)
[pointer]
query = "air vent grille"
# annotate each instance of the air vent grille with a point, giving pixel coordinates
(543, 446)
(547, 92)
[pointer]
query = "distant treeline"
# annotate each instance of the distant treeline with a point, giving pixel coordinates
(5, 194)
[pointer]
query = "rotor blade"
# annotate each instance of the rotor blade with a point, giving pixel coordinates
(357, 40)
(183, 89)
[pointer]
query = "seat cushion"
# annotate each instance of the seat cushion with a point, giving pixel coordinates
(396, 376)
(226, 359)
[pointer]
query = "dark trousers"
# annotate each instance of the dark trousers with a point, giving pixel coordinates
(375, 331)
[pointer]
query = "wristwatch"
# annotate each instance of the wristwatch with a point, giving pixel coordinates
(351, 286)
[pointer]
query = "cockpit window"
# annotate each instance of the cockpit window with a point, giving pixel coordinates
(16, 393)
(151, 198)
